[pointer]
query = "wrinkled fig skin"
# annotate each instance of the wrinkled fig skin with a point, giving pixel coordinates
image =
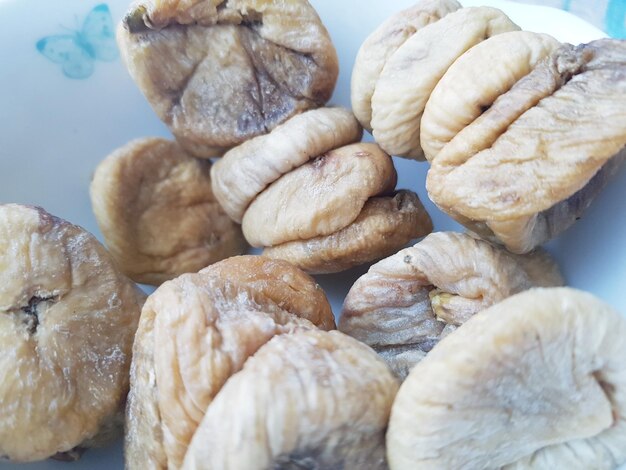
(67, 322)
(309, 200)
(158, 214)
(529, 166)
(412, 72)
(492, 67)
(382, 43)
(524, 234)
(220, 72)
(406, 303)
(537, 381)
(384, 224)
(245, 171)
(321, 400)
(195, 332)
(320, 197)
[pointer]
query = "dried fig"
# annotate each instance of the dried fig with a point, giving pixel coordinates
(524, 170)
(219, 72)
(382, 43)
(492, 67)
(412, 72)
(318, 400)
(537, 382)
(307, 199)
(198, 330)
(157, 212)
(68, 318)
(407, 302)
(320, 197)
(248, 169)
(384, 224)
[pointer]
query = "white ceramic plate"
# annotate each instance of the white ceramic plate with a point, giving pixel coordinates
(54, 130)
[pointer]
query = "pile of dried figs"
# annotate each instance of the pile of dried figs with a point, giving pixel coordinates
(462, 351)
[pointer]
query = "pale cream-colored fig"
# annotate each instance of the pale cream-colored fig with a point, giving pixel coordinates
(244, 172)
(492, 67)
(524, 170)
(538, 381)
(406, 303)
(382, 43)
(198, 330)
(384, 225)
(412, 72)
(219, 72)
(338, 203)
(320, 197)
(67, 322)
(155, 207)
(311, 399)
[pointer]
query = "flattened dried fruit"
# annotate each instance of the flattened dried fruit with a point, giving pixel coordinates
(384, 224)
(407, 302)
(492, 67)
(317, 400)
(248, 169)
(412, 72)
(195, 332)
(157, 212)
(537, 382)
(382, 43)
(533, 162)
(298, 190)
(219, 72)
(320, 197)
(67, 322)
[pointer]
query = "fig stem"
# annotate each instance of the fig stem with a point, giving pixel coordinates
(135, 20)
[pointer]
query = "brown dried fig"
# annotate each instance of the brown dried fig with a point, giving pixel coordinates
(157, 212)
(219, 72)
(537, 381)
(198, 330)
(320, 197)
(248, 169)
(407, 302)
(382, 43)
(492, 67)
(67, 322)
(412, 72)
(307, 199)
(384, 224)
(524, 170)
(318, 400)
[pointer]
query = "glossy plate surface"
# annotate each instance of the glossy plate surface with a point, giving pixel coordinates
(54, 130)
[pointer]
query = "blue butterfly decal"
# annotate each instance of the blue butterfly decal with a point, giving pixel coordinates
(77, 52)
(616, 19)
